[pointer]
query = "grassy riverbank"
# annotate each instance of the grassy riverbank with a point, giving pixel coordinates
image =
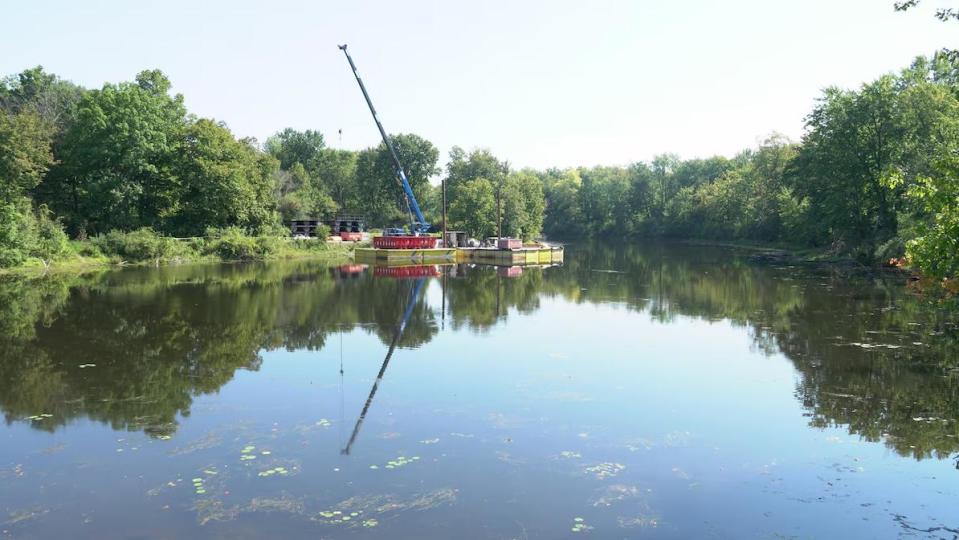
(145, 247)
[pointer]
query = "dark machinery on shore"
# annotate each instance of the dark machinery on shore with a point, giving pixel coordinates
(397, 238)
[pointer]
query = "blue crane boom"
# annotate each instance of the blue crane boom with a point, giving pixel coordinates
(418, 224)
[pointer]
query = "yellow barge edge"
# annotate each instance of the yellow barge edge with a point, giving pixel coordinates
(526, 255)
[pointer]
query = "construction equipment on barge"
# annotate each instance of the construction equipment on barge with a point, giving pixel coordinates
(395, 239)
(397, 247)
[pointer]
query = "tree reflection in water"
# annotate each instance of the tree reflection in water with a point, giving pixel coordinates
(873, 356)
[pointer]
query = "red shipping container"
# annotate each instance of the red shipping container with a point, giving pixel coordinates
(351, 236)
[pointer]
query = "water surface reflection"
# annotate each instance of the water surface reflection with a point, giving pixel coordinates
(631, 388)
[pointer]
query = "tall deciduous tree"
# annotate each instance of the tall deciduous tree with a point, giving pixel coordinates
(474, 208)
(291, 146)
(380, 196)
(225, 182)
(117, 159)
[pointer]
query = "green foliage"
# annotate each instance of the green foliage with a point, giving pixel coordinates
(523, 205)
(473, 209)
(51, 240)
(871, 178)
(290, 147)
(336, 170)
(233, 245)
(25, 233)
(117, 159)
(17, 231)
(936, 249)
(380, 196)
(25, 152)
(34, 91)
(871, 173)
(479, 163)
(301, 197)
(140, 245)
(563, 216)
(224, 182)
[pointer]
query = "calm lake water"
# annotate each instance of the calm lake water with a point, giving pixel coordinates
(640, 392)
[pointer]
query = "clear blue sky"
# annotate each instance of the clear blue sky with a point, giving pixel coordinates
(546, 83)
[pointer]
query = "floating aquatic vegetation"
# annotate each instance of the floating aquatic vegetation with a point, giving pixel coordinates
(285, 503)
(85, 366)
(246, 454)
(614, 494)
(198, 486)
(152, 492)
(605, 470)
(432, 499)
(370, 523)
(380, 504)
(462, 435)
(638, 522)
(569, 454)
(19, 516)
(211, 440)
(401, 461)
(209, 509)
(276, 470)
(164, 437)
(43, 416)
(337, 517)
(213, 509)
(680, 473)
(323, 422)
(579, 525)
(429, 441)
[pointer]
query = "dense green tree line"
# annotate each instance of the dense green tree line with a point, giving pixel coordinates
(316, 181)
(85, 162)
(874, 176)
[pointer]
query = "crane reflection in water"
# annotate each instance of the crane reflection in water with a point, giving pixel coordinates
(416, 286)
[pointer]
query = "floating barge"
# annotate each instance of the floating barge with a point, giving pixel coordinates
(520, 256)
(400, 256)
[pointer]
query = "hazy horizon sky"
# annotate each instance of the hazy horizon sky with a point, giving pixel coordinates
(541, 84)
